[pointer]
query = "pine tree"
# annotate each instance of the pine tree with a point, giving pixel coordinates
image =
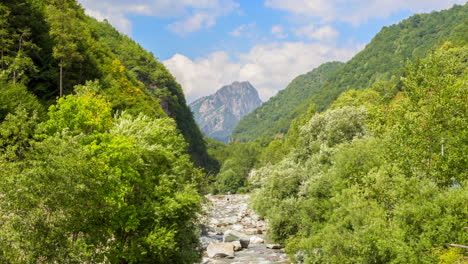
(64, 28)
(22, 62)
(6, 41)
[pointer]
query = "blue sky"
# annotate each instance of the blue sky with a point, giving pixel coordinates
(209, 43)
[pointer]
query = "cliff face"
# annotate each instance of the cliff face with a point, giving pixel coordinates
(218, 114)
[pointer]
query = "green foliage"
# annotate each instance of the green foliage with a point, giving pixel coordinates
(85, 114)
(237, 160)
(335, 126)
(382, 60)
(15, 43)
(41, 37)
(450, 256)
(16, 131)
(349, 193)
(230, 181)
(142, 66)
(95, 188)
(65, 29)
(272, 119)
(433, 122)
(13, 96)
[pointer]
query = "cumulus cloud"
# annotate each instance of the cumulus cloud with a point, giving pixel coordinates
(278, 32)
(356, 12)
(324, 33)
(242, 30)
(268, 67)
(191, 15)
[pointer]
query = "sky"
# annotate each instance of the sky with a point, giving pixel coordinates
(207, 44)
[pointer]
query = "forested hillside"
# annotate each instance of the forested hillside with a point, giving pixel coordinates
(101, 160)
(95, 137)
(373, 179)
(39, 41)
(382, 60)
(273, 118)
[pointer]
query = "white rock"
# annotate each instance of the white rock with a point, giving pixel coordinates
(256, 240)
(252, 231)
(237, 245)
(206, 261)
(220, 250)
(274, 246)
(205, 241)
(232, 235)
(238, 227)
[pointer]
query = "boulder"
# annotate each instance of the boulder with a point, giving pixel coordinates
(231, 235)
(205, 241)
(252, 231)
(220, 250)
(274, 246)
(256, 240)
(237, 227)
(237, 245)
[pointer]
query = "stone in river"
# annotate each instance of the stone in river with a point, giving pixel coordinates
(220, 250)
(274, 246)
(232, 235)
(237, 245)
(205, 241)
(238, 227)
(256, 240)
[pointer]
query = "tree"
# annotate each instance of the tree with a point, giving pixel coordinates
(65, 29)
(22, 62)
(432, 124)
(6, 40)
(124, 188)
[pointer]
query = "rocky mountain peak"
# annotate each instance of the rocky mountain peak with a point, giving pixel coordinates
(218, 114)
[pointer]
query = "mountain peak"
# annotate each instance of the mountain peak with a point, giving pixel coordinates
(219, 113)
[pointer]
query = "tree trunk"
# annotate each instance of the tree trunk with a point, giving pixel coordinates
(61, 79)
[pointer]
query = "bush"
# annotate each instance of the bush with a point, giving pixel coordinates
(230, 181)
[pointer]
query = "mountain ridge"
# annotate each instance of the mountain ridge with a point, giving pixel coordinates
(382, 60)
(219, 113)
(275, 115)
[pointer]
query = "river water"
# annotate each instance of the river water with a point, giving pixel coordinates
(231, 212)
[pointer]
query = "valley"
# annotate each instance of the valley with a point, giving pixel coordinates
(134, 132)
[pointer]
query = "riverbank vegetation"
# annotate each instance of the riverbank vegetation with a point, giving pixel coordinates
(377, 181)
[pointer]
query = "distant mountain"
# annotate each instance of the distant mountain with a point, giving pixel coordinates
(274, 116)
(218, 114)
(383, 59)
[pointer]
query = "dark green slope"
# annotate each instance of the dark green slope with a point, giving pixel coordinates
(274, 117)
(383, 59)
(99, 45)
(154, 75)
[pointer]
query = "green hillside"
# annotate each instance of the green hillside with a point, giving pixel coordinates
(89, 50)
(383, 59)
(275, 115)
(159, 81)
(95, 137)
(385, 56)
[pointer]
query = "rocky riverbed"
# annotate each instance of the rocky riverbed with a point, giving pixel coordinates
(233, 233)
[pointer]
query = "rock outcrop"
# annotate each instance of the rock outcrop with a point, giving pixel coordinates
(218, 114)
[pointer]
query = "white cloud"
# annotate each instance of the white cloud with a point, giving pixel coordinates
(268, 67)
(356, 12)
(191, 15)
(278, 32)
(243, 30)
(325, 33)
